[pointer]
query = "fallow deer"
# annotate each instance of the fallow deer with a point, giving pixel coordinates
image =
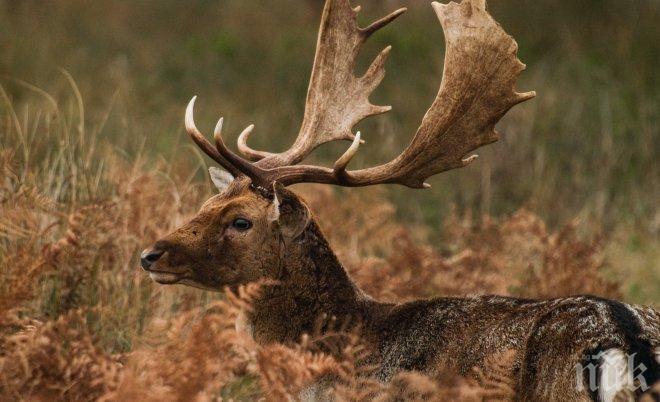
(257, 229)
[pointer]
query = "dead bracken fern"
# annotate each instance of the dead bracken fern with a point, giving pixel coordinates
(57, 360)
(202, 353)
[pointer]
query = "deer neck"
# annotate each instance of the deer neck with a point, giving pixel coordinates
(312, 284)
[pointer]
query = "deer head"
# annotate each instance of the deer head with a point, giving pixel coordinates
(241, 234)
(237, 237)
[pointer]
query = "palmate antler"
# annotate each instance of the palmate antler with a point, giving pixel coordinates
(477, 89)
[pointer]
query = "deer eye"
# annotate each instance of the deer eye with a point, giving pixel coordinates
(241, 224)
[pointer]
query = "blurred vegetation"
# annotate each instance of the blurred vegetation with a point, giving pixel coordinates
(587, 147)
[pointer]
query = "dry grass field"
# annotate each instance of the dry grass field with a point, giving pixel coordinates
(94, 166)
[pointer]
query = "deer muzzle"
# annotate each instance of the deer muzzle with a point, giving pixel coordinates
(148, 258)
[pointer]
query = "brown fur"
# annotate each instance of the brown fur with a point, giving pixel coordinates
(549, 337)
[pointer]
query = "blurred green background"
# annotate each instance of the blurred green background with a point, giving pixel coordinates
(587, 147)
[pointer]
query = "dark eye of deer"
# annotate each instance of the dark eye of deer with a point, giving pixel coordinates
(241, 224)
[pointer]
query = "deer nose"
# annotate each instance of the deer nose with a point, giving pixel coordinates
(149, 256)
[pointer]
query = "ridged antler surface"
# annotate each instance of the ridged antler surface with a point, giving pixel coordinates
(336, 99)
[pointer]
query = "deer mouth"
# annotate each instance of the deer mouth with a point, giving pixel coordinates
(165, 278)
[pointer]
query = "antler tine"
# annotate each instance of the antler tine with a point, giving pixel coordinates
(257, 175)
(375, 26)
(202, 143)
(341, 163)
(374, 75)
(245, 149)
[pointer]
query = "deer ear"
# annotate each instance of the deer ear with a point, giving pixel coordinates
(221, 178)
(288, 211)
